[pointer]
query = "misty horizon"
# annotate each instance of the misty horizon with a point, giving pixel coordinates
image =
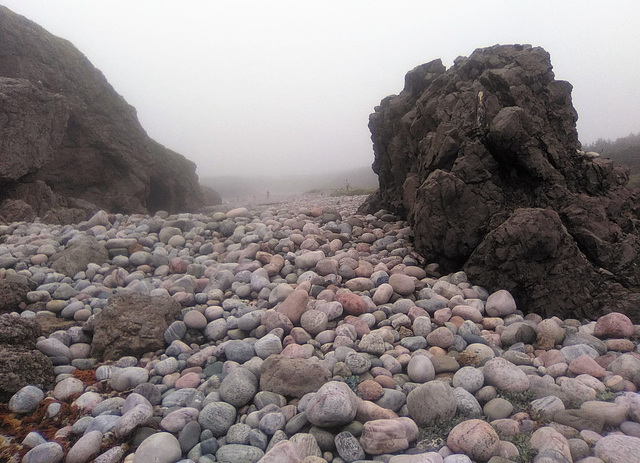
(286, 88)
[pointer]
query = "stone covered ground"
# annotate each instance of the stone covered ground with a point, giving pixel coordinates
(290, 332)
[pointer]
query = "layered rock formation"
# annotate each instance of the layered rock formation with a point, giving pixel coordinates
(484, 161)
(69, 143)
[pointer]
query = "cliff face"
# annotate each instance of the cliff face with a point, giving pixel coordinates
(484, 161)
(62, 124)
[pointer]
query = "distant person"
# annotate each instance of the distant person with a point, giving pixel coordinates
(348, 185)
(268, 194)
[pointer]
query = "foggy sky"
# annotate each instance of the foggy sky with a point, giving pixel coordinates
(266, 87)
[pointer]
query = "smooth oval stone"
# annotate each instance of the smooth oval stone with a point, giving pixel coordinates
(161, 447)
(48, 452)
(239, 387)
(67, 388)
(268, 345)
(26, 399)
(218, 417)
(236, 452)
(86, 448)
(189, 436)
(420, 369)
(128, 378)
(138, 416)
(178, 419)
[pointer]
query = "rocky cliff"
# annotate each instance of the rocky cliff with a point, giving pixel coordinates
(484, 161)
(69, 142)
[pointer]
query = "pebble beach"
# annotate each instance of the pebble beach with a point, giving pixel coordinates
(305, 333)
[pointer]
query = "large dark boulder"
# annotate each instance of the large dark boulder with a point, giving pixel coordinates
(484, 161)
(64, 125)
(132, 325)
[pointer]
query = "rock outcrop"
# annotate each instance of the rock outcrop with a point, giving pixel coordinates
(484, 161)
(69, 144)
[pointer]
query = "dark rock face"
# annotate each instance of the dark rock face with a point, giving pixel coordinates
(210, 196)
(132, 325)
(20, 362)
(65, 126)
(484, 161)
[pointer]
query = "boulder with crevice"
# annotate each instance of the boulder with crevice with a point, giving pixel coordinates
(484, 161)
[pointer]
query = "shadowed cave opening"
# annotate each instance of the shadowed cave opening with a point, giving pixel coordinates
(159, 196)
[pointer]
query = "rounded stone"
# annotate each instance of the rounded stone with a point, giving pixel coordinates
(239, 351)
(614, 325)
(217, 417)
(128, 378)
(475, 438)
(161, 447)
(430, 402)
(497, 408)
(67, 388)
(617, 448)
(334, 404)
(402, 284)
(504, 375)
(314, 321)
(178, 419)
(86, 448)
(420, 369)
(268, 345)
(195, 320)
(468, 378)
(26, 400)
(239, 387)
(48, 452)
(500, 304)
(348, 447)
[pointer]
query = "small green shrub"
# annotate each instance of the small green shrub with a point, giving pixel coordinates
(523, 444)
(607, 395)
(432, 438)
(353, 381)
(521, 401)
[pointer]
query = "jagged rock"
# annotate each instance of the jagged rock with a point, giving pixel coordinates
(63, 124)
(488, 151)
(132, 325)
(11, 295)
(19, 331)
(21, 363)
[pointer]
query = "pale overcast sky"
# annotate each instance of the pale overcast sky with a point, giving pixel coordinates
(266, 87)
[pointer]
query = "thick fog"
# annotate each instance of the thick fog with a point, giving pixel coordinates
(268, 87)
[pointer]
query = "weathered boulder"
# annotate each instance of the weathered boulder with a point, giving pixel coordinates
(21, 364)
(487, 151)
(11, 295)
(78, 254)
(19, 331)
(132, 325)
(65, 125)
(293, 377)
